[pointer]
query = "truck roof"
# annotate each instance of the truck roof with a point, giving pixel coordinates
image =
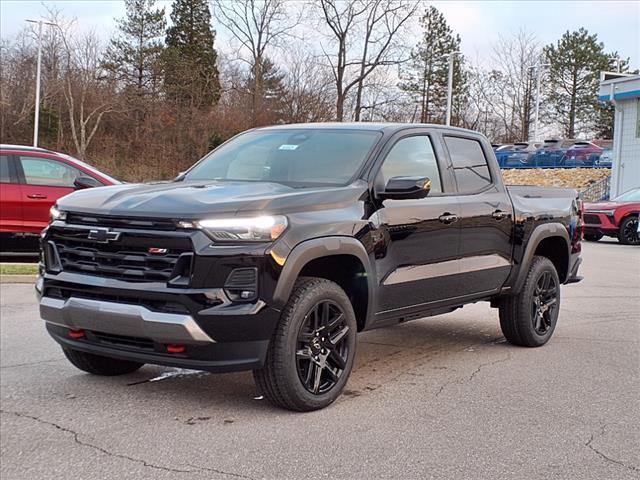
(371, 126)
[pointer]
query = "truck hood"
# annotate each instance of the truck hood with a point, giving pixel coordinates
(194, 200)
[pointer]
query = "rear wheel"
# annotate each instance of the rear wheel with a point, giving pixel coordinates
(311, 354)
(99, 365)
(529, 318)
(628, 233)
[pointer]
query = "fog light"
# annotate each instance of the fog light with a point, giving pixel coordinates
(246, 294)
(76, 333)
(173, 348)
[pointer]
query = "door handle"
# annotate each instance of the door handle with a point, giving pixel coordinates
(448, 218)
(499, 215)
(37, 196)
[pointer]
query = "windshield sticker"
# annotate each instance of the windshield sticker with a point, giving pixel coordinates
(287, 147)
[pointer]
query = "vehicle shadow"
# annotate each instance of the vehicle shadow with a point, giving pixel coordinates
(383, 356)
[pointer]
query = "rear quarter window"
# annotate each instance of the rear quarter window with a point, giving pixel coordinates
(469, 164)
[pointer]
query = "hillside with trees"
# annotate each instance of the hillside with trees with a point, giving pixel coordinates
(148, 102)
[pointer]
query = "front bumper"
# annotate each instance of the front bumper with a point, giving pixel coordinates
(134, 322)
(595, 222)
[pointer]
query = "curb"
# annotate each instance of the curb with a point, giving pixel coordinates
(18, 279)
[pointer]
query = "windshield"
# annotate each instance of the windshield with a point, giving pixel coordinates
(294, 157)
(630, 196)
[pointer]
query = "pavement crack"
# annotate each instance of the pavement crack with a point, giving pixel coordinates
(462, 381)
(31, 363)
(488, 364)
(76, 438)
(589, 444)
(222, 472)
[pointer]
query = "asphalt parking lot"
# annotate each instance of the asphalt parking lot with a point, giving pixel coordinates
(443, 397)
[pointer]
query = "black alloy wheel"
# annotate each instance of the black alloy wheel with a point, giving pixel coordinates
(322, 349)
(628, 234)
(544, 302)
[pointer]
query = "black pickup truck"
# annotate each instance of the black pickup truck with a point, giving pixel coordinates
(275, 249)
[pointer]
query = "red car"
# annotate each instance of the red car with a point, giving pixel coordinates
(31, 181)
(615, 218)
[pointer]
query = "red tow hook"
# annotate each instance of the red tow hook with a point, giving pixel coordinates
(173, 348)
(76, 333)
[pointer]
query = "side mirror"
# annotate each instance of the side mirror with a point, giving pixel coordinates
(81, 183)
(400, 188)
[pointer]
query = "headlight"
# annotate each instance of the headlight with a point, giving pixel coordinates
(608, 213)
(253, 229)
(56, 214)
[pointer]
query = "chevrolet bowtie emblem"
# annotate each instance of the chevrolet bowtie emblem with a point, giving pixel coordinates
(102, 235)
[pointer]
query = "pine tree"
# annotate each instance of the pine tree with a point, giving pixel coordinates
(271, 90)
(575, 64)
(134, 55)
(426, 77)
(191, 73)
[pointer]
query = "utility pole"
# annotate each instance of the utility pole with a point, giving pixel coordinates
(539, 68)
(450, 85)
(36, 120)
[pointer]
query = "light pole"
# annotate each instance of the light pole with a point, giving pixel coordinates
(36, 119)
(538, 66)
(450, 85)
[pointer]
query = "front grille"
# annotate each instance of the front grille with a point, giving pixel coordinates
(121, 222)
(591, 219)
(163, 306)
(128, 258)
(122, 340)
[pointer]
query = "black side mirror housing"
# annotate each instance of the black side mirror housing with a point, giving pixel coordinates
(400, 188)
(81, 183)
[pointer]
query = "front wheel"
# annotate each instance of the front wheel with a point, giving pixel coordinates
(529, 318)
(311, 353)
(593, 236)
(628, 233)
(99, 365)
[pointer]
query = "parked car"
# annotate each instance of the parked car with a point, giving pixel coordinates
(271, 252)
(582, 154)
(551, 154)
(615, 218)
(31, 181)
(604, 160)
(521, 155)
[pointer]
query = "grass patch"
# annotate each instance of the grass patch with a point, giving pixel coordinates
(18, 269)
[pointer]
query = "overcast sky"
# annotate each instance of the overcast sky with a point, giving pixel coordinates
(479, 23)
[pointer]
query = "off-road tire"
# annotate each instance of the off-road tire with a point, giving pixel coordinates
(516, 312)
(279, 380)
(99, 365)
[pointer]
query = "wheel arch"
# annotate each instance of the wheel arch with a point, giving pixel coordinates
(342, 260)
(549, 240)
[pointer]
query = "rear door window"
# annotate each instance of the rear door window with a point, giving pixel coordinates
(469, 164)
(44, 171)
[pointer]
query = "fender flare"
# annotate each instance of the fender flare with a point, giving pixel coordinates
(315, 248)
(541, 232)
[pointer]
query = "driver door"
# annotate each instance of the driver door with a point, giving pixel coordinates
(418, 239)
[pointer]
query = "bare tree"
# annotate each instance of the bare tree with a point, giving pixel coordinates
(88, 96)
(378, 23)
(257, 25)
(511, 93)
